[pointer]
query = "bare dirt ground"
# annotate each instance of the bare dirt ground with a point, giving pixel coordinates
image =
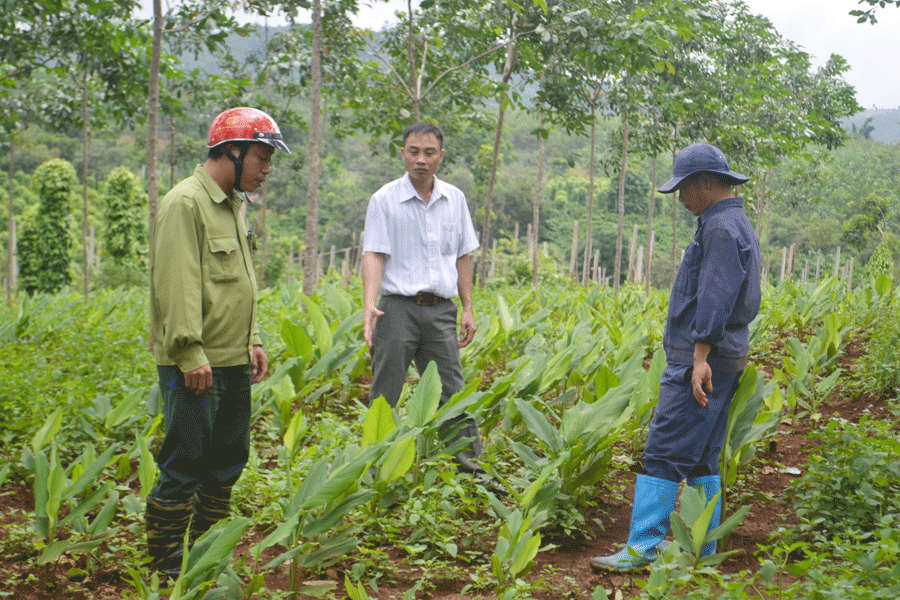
(565, 569)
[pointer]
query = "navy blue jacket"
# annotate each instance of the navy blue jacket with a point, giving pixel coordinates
(717, 292)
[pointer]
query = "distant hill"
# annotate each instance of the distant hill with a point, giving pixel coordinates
(885, 124)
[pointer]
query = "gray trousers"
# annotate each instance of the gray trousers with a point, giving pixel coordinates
(408, 332)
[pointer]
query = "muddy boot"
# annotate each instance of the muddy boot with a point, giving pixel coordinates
(211, 505)
(166, 522)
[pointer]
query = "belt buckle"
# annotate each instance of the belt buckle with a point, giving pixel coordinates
(422, 299)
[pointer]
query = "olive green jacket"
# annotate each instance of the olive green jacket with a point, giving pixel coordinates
(202, 284)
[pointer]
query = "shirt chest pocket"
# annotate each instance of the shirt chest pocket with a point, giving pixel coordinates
(449, 239)
(689, 272)
(224, 259)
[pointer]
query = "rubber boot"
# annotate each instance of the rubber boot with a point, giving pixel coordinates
(166, 522)
(712, 485)
(210, 507)
(654, 501)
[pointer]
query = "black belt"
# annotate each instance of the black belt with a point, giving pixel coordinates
(425, 298)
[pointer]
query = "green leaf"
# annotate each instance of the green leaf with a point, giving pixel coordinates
(125, 409)
(399, 459)
(47, 432)
(379, 422)
(423, 404)
(324, 340)
(296, 340)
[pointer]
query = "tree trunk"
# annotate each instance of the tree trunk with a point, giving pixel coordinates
(153, 119)
(589, 239)
(619, 231)
(84, 173)
(416, 86)
(311, 239)
(483, 261)
(650, 227)
(536, 207)
(11, 242)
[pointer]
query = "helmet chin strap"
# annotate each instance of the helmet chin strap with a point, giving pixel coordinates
(238, 165)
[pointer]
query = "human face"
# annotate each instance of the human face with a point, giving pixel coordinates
(690, 193)
(422, 155)
(256, 167)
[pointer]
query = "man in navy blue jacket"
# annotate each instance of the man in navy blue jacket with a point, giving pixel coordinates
(715, 297)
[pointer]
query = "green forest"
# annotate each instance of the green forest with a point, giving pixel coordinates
(561, 117)
(796, 130)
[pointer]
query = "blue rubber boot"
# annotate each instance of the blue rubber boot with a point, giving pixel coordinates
(654, 501)
(712, 485)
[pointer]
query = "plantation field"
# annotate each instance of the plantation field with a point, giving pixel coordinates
(344, 497)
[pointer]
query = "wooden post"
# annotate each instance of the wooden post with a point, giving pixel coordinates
(837, 261)
(359, 252)
(783, 263)
(516, 239)
(345, 268)
(790, 263)
(595, 271)
(631, 248)
(805, 276)
(639, 268)
(647, 278)
(529, 243)
(331, 260)
(574, 254)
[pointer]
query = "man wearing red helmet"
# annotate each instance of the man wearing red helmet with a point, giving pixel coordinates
(203, 325)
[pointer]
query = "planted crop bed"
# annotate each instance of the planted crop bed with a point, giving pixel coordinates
(345, 497)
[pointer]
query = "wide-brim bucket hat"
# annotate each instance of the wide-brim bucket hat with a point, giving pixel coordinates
(698, 158)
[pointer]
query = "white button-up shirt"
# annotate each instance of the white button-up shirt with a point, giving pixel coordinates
(421, 241)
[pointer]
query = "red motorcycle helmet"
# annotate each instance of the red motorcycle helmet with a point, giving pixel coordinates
(245, 124)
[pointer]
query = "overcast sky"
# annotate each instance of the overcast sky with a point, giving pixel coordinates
(820, 27)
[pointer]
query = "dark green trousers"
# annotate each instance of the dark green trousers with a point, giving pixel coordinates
(207, 439)
(407, 333)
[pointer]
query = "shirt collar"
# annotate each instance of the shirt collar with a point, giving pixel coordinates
(212, 188)
(409, 190)
(719, 207)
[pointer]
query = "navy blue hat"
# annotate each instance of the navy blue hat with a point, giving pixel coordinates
(698, 158)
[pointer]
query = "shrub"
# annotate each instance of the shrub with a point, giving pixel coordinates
(852, 484)
(47, 237)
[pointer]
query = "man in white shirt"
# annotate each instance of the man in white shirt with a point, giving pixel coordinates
(418, 237)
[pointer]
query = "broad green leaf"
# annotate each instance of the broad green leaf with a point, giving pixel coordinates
(294, 433)
(399, 459)
(503, 313)
(536, 422)
(324, 340)
(296, 340)
(379, 422)
(47, 431)
(124, 409)
(525, 555)
(89, 503)
(91, 474)
(424, 402)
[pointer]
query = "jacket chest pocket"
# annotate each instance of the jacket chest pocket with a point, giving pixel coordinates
(224, 259)
(689, 271)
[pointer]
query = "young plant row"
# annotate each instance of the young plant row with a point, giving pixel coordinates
(560, 380)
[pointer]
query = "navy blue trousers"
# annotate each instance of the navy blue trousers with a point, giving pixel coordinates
(685, 438)
(207, 439)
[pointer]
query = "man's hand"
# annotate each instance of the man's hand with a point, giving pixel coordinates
(701, 382)
(259, 365)
(467, 328)
(370, 316)
(199, 380)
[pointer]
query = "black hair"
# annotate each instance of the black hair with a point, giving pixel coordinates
(424, 128)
